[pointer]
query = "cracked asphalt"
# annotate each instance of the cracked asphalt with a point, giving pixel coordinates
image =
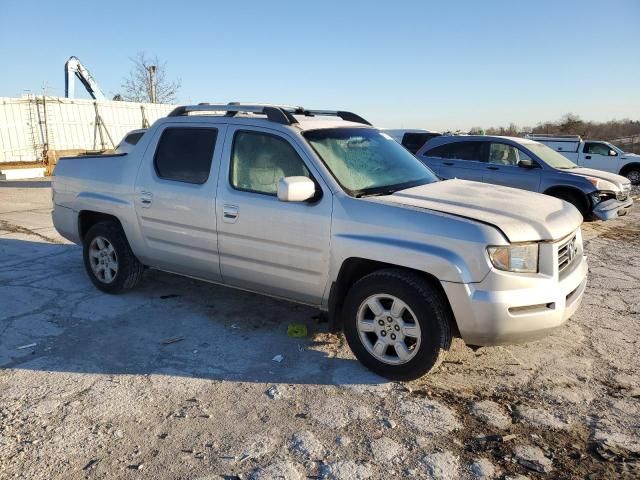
(176, 379)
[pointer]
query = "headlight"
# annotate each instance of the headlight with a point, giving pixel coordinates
(521, 258)
(603, 184)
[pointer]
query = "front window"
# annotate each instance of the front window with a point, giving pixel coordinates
(368, 162)
(503, 154)
(597, 148)
(551, 157)
(259, 160)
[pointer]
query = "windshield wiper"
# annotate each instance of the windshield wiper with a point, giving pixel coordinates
(376, 193)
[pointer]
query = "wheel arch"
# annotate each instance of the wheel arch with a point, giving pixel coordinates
(628, 167)
(564, 188)
(355, 268)
(556, 189)
(88, 218)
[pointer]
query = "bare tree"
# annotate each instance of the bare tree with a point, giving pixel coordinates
(148, 81)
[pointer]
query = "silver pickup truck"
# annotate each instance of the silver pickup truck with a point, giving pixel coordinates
(320, 208)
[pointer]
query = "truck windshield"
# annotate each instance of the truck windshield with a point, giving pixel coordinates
(550, 156)
(366, 161)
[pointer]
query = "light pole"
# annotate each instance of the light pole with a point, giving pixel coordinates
(152, 84)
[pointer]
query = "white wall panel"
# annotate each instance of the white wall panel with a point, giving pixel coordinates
(29, 124)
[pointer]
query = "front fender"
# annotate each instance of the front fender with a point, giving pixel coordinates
(442, 263)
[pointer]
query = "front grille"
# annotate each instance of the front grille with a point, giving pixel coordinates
(567, 253)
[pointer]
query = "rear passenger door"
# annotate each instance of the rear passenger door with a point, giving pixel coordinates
(269, 246)
(463, 159)
(175, 198)
(502, 167)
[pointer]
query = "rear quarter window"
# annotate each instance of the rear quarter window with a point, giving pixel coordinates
(134, 138)
(185, 154)
(414, 141)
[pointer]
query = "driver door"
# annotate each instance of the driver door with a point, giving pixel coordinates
(596, 155)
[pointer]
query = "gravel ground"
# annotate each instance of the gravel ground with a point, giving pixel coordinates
(176, 379)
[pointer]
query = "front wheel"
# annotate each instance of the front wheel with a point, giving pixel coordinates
(397, 324)
(633, 175)
(108, 259)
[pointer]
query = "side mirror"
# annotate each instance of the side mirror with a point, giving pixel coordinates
(296, 189)
(526, 163)
(612, 153)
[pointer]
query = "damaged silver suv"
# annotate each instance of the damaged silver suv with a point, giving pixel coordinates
(318, 207)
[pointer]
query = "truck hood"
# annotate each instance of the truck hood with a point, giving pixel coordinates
(521, 216)
(618, 180)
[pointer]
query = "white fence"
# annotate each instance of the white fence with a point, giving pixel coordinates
(34, 125)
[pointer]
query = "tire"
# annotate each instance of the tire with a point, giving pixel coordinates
(108, 259)
(577, 200)
(633, 174)
(424, 306)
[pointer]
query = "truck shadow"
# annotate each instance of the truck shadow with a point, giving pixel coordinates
(169, 325)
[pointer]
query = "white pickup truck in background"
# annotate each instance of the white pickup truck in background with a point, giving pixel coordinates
(596, 154)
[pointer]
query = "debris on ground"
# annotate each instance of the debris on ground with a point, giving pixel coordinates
(274, 392)
(297, 330)
(532, 458)
(168, 341)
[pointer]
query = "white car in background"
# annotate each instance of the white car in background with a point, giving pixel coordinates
(596, 154)
(411, 139)
(130, 140)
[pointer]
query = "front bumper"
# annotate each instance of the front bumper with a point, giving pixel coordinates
(612, 208)
(497, 312)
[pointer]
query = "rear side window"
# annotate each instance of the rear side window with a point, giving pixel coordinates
(414, 141)
(458, 151)
(185, 154)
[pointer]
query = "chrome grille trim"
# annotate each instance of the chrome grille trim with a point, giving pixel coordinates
(567, 253)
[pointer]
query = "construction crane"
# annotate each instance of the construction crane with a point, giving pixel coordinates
(72, 68)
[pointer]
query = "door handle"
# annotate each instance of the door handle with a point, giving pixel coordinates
(447, 163)
(493, 168)
(146, 198)
(230, 213)
(588, 157)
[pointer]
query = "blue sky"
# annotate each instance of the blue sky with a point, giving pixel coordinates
(438, 65)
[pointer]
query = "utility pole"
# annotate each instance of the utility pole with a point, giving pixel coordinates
(152, 83)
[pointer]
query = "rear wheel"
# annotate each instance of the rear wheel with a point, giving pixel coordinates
(108, 259)
(397, 324)
(577, 200)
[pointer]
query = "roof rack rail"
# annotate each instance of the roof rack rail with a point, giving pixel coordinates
(551, 135)
(283, 114)
(273, 113)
